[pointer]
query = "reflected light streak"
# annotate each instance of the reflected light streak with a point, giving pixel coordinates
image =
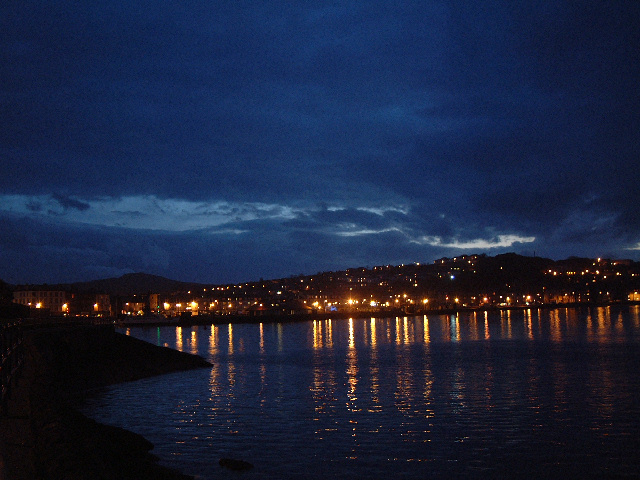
(486, 325)
(179, 345)
(352, 342)
(230, 328)
(213, 340)
(329, 333)
(455, 324)
(374, 370)
(473, 327)
(352, 372)
(365, 334)
(425, 328)
(373, 334)
(405, 327)
(554, 324)
(398, 338)
(315, 335)
(194, 341)
(261, 338)
(603, 320)
(445, 326)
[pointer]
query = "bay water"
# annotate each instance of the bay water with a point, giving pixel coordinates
(534, 393)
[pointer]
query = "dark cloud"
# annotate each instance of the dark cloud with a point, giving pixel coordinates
(68, 202)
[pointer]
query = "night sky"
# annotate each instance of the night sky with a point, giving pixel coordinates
(230, 141)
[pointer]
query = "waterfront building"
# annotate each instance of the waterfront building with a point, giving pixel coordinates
(90, 305)
(54, 301)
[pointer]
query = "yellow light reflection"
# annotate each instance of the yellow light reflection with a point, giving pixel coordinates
(406, 336)
(230, 329)
(374, 372)
(213, 340)
(352, 341)
(473, 327)
(554, 326)
(373, 334)
(352, 372)
(194, 341)
(179, 345)
(261, 338)
(317, 334)
(486, 325)
(425, 328)
(329, 333)
(455, 328)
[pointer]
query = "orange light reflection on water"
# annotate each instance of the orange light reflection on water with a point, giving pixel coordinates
(425, 330)
(179, 345)
(213, 340)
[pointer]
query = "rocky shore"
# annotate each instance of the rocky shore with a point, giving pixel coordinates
(44, 437)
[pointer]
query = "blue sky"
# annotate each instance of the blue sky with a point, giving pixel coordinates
(231, 141)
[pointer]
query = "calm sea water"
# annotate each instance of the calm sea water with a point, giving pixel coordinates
(530, 394)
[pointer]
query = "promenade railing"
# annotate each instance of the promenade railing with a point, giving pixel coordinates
(12, 351)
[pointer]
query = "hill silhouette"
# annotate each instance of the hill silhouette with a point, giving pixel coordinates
(133, 284)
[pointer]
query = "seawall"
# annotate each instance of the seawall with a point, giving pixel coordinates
(44, 437)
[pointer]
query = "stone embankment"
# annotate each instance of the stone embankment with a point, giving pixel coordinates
(43, 437)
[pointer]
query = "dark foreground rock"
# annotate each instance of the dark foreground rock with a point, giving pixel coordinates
(44, 437)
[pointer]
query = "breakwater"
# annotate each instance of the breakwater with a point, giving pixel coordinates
(44, 437)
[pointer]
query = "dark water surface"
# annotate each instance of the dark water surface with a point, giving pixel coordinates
(527, 394)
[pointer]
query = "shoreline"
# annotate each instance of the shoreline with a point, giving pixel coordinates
(45, 437)
(208, 319)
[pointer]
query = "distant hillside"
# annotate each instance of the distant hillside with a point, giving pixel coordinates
(467, 274)
(134, 284)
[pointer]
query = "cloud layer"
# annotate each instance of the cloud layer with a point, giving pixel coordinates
(293, 137)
